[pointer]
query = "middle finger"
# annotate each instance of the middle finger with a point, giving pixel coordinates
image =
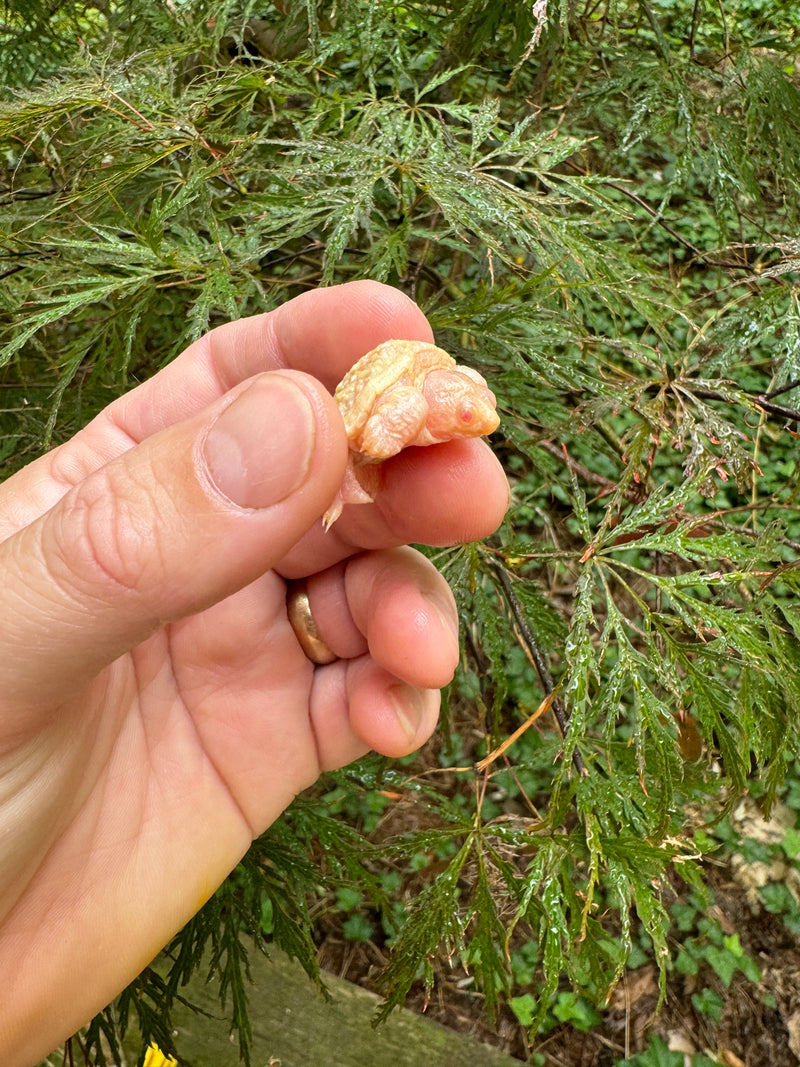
(394, 605)
(447, 494)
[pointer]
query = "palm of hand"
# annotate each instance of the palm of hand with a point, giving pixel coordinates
(157, 712)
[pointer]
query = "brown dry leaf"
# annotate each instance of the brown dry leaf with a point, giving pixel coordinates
(730, 1059)
(643, 982)
(793, 1026)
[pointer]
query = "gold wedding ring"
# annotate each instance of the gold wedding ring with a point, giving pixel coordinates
(299, 611)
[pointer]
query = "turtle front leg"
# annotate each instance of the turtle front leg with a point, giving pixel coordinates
(397, 420)
(359, 484)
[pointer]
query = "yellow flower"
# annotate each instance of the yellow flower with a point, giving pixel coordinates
(156, 1058)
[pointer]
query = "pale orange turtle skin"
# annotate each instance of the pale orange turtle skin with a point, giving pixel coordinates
(405, 393)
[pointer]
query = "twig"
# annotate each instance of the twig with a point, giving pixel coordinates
(496, 753)
(725, 30)
(759, 399)
(12, 270)
(590, 477)
(651, 211)
(783, 389)
(532, 647)
(655, 26)
(25, 194)
(693, 32)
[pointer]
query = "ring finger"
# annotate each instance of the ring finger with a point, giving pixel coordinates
(357, 706)
(393, 604)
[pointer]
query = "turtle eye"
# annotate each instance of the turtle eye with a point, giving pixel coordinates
(466, 413)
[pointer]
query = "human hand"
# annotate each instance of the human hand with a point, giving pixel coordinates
(157, 712)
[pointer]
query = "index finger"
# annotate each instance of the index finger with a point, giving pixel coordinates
(322, 332)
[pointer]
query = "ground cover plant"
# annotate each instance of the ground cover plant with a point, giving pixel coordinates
(595, 202)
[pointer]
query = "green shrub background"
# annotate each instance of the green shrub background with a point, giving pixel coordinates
(596, 204)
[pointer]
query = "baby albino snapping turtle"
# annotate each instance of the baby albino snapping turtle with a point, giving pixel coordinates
(405, 393)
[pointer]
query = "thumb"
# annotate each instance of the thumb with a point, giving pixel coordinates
(168, 528)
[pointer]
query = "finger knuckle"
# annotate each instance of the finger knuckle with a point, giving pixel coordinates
(105, 538)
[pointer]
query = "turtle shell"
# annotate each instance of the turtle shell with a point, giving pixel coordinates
(380, 369)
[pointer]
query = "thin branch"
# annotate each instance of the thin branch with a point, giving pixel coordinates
(502, 748)
(588, 476)
(693, 31)
(651, 211)
(725, 30)
(12, 270)
(655, 26)
(783, 389)
(759, 399)
(532, 647)
(25, 194)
